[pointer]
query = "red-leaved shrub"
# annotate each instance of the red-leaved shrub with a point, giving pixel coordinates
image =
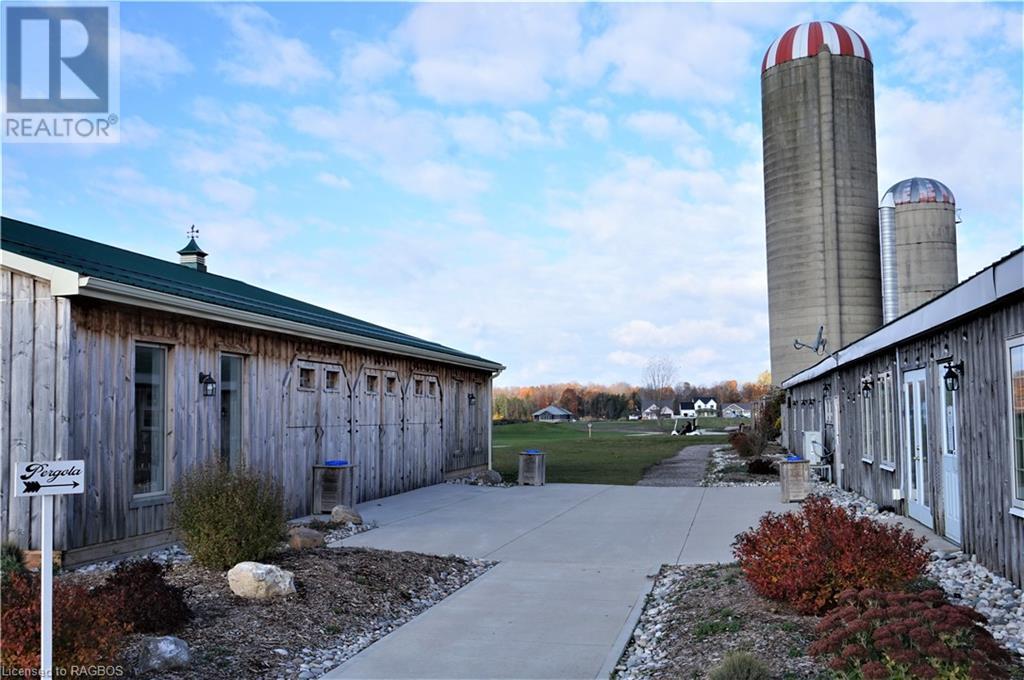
(86, 629)
(740, 442)
(900, 636)
(807, 558)
(143, 598)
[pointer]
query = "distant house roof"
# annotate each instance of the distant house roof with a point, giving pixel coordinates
(745, 405)
(652, 407)
(111, 271)
(705, 399)
(686, 406)
(553, 410)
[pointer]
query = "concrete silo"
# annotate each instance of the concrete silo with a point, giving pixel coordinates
(917, 230)
(821, 191)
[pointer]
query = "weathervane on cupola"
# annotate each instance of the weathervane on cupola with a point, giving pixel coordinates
(192, 255)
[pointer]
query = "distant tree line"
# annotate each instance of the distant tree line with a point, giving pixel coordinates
(621, 399)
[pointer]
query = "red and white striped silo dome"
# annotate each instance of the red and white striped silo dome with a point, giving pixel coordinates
(804, 40)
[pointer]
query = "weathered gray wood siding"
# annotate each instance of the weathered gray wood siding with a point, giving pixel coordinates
(34, 408)
(988, 529)
(398, 443)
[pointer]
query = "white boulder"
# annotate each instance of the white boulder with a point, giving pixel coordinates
(260, 581)
(345, 515)
(163, 654)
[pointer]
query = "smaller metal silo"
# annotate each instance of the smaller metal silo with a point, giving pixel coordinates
(917, 234)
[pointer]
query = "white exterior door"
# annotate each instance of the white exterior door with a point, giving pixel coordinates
(915, 445)
(950, 459)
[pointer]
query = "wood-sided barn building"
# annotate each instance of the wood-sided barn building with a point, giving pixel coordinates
(145, 368)
(926, 415)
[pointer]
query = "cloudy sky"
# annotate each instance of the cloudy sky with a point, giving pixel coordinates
(567, 189)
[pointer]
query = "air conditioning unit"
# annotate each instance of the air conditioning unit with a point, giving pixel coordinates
(812, 446)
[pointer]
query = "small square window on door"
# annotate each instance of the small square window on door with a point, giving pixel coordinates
(332, 380)
(390, 384)
(432, 388)
(371, 384)
(307, 378)
(419, 387)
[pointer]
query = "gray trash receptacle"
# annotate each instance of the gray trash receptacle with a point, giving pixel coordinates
(531, 468)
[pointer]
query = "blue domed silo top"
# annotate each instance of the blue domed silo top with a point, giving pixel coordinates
(917, 190)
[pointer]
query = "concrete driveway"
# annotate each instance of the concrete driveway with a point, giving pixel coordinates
(576, 561)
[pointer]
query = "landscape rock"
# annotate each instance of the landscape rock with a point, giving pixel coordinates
(260, 581)
(304, 537)
(345, 514)
(491, 476)
(163, 654)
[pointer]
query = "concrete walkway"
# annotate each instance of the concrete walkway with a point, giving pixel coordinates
(576, 562)
(686, 468)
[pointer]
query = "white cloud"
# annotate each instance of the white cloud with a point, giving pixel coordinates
(672, 51)
(136, 132)
(334, 181)
(365, 64)
(568, 118)
(262, 56)
(646, 334)
(149, 58)
(496, 53)
(631, 359)
(230, 193)
(688, 144)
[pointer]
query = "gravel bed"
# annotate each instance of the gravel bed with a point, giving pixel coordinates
(696, 614)
(721, 471)
(963, 579)
(346, 599)
(171, 556)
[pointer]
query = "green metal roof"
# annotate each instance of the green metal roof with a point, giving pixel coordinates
(90, 258)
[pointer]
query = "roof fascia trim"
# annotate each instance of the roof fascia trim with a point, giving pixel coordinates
(62, 281)
(118, 292)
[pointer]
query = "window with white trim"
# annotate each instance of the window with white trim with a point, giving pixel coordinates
(886, 419)
(867, 427)
(1015, 349)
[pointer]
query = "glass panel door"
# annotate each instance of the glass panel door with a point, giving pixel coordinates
(915, 428)
(950, 459)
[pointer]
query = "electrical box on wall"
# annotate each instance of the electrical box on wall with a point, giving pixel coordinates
(897, 494)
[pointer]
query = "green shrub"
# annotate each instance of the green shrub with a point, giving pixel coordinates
(228, 516)
(87, 630)
(144, 600)
(876, 635)
(12, 561)
(740, 666)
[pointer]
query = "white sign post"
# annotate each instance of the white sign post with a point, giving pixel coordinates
(47, 478)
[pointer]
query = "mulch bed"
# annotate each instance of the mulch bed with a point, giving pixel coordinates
(697, 614)
(345, 597)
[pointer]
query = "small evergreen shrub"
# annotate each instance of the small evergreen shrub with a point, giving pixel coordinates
(876, 635)
(740, 666)
(12, 561)
(762, 466)
(228, 516)
(87, 630)
(807, 558)
(144, 600)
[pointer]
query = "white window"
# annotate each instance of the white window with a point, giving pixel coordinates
(332, 380)
(886, 420)
(867, 426)
(148, 464)
(307, 378)
(1015, 349)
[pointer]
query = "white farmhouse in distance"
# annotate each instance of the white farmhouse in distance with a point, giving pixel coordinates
(705, 406)
(739, 410)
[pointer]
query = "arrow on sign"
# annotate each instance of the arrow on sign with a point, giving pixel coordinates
(33, 487)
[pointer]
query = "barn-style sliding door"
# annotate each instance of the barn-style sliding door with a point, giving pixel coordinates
(377, 433)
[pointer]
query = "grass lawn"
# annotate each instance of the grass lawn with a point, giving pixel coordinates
(618, 453)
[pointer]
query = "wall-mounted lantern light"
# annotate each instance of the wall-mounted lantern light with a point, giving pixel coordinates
(952, 376)
(472, 400)
(826, 388)
(865, 386)
(208, 383)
